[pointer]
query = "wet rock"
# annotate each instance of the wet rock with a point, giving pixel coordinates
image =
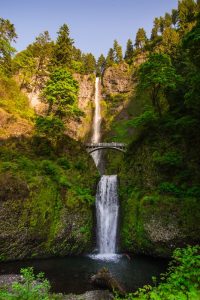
(91, 295)
(105, 279)
(6, 281)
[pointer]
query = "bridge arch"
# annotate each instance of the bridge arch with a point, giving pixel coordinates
(100, 146)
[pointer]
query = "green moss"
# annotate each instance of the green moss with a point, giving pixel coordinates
(48, 200)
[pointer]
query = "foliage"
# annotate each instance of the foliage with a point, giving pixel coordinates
(50, 127)
(61, 94)
(7, 36)
(141, 39)
(62, 55)
(101, 64)
(157, 75)
(147, 119)
(182, 281)
(118, 57)
(13, 100)
(129, 53)
(33, 287)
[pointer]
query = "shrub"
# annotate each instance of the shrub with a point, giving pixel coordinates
(181, 282)
(31, 288)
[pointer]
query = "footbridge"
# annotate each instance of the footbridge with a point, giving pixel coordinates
(91, 147)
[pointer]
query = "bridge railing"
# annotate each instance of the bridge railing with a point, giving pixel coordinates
(112, 144)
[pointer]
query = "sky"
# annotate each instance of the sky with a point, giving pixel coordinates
(94, 24)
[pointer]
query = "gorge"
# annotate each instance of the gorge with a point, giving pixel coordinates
(99, 163)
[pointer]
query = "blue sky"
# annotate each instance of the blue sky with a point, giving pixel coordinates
(94, 24)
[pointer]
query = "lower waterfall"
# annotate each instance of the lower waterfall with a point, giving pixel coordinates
(107, 208)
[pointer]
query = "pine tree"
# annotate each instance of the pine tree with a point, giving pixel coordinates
(154, 32)
(187, 10)
(141, 39)
(129, 52)
(118, 56)
(89, 63)
(101, 64)
(7, 36)
(63, 47)
(174, 17)
(110, 59)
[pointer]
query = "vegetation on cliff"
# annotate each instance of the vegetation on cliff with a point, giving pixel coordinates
(159, 175)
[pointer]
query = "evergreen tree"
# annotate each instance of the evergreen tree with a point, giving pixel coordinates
(167, 20)
(101, 64)
(141, 39)
(63, 48)
(174, 17)
(118, 56)
(129, 52)
(89, 63)
(7, 36)
(110, 59)
(154, 32)
(187, 10)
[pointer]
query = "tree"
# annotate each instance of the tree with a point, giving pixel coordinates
(129, 52)
(89, 63)
(7, 36)
(141, 39)
(154, 32)
(110, 59)
(61, 94)
(191, 45)
(32, 63)
(174, 17)
(187, 10)
(156, 75)
(101, 64)
(167, 20)
(168, 42)
(63, 48)
(118, 56)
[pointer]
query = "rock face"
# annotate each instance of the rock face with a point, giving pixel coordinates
(77, 129)
(13, 126)
(81, 129)
(117, 79)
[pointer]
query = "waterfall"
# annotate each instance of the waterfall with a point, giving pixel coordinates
(97, 114)
(106, 198)
(96, 123)
(107, 214)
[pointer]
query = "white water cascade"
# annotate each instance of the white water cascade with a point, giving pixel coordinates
(107, 208)
(96, 123)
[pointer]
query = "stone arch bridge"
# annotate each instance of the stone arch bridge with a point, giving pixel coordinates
(92, 147)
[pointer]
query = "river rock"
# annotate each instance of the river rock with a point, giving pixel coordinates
(105, 279)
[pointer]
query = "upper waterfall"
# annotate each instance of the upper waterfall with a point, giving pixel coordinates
(97, 114)
(97, 123)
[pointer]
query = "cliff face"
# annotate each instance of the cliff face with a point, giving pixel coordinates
(46, 189)
(117, 79)
(77, 129)
(159, 199)
(46, 198)
(81, 129)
